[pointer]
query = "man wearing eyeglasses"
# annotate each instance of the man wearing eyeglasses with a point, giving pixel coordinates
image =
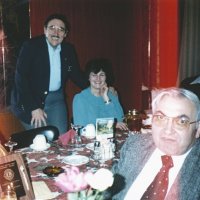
(44, 65)
(175, 136)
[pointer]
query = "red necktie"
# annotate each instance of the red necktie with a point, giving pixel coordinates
(158, 188)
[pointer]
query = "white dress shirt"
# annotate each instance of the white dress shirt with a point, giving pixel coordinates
(55, 67)
(149, 172)
(197, 80)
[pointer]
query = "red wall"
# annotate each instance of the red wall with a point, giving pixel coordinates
(121, 31)
(168, 42)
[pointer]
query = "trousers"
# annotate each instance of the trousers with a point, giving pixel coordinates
(56, 110)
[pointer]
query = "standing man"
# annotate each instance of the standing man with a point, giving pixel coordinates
(172, 148)
(44, 65)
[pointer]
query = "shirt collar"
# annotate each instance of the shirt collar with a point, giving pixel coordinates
(57, 48)
(197, 80)
(175, 158)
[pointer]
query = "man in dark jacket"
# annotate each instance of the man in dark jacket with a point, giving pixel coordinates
(44, 65)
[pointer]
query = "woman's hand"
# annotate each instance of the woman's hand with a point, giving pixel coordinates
(122, 126)
(38, 117)
(104, 92)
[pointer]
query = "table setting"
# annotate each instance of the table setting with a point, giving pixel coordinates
(64, 169)
(47, 161)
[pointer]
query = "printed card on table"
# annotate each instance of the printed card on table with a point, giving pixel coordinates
(104, 128)
(13, 173)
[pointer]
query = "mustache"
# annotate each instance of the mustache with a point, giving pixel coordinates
(55, 36)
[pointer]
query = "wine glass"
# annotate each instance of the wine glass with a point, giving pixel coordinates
(96, 156)
(11, 145)
(77, 138)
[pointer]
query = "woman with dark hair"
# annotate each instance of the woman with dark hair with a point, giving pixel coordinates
(97, 101)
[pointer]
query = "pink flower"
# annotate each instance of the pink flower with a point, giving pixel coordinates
(72, 180)
(84, 183)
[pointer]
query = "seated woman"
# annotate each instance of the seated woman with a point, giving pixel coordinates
(97, 101)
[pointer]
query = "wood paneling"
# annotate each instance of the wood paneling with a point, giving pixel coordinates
(9, 124)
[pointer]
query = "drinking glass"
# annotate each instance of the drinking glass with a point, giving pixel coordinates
(134, 121)
(96, 156)
(11, 145)
(77, 138)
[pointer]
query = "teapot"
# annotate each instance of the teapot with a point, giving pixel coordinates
(134, 120)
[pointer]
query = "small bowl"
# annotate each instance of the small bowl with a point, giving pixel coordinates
(53, 171)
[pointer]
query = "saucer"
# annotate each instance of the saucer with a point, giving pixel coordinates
(40, 149)
(76, 160)
(88, 137)
(90, 146)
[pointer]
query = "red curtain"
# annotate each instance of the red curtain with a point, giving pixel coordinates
(163, 41)
(138, 36)
(99, 28)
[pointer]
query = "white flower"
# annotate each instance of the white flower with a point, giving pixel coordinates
(101, 180)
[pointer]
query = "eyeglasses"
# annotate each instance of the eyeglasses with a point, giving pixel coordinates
(54, 28)
(179, 123)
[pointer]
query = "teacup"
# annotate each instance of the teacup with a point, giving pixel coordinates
(89, 131)
(39, 142)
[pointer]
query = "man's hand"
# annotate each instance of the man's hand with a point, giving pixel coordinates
(38, 118)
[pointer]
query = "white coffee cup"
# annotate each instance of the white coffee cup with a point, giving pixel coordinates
(89, 131)
(39, 142)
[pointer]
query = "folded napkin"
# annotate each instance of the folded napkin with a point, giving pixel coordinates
(42, 192)
(67, 137)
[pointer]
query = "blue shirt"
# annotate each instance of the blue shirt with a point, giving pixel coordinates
(87, 108)
(55, 67)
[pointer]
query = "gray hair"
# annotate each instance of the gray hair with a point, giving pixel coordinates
(177, 92)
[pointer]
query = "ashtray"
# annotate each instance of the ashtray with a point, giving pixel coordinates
(53, 170)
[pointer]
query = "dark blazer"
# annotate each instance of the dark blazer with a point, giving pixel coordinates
(136, 152)
(186, 83)
(32, 75)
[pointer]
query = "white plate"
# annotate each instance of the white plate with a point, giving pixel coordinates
(41, 149)
(76, 160)
(90, 146)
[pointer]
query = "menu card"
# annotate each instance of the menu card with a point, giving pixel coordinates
(104, 128)
(9, 173)
(13, 172)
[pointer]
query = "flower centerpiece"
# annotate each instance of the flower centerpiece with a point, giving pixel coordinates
(84, 185)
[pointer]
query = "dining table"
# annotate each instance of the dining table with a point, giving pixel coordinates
(55, 156)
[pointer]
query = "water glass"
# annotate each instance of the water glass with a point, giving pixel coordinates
(11, 145)
(76, 141)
